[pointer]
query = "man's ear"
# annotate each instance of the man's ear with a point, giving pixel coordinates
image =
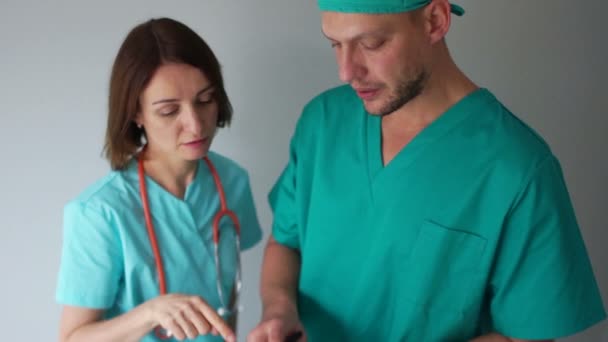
(437, 16)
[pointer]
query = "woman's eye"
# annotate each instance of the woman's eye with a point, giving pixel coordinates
(205, 100)
(168, 111)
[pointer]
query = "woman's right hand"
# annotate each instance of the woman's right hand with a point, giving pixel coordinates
(187, 316)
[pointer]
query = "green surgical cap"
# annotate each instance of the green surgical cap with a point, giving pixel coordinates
(378, 6)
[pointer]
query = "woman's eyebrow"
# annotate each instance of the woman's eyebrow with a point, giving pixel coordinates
(207, 88)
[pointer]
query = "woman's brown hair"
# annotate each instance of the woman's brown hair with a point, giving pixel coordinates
(144, 50)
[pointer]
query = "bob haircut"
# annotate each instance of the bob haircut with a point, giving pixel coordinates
(147, 47)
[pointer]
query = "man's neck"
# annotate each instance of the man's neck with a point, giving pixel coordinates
(444, 88)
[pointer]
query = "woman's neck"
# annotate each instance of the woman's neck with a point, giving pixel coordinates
(171, 173)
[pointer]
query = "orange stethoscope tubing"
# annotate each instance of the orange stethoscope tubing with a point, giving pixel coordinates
(224, 211)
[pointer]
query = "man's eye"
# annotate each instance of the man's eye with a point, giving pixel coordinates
(372, 45)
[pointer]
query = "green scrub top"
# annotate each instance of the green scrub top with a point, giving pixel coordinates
(469, 229)
(107, 260)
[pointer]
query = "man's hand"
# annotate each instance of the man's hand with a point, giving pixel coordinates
(277, 328)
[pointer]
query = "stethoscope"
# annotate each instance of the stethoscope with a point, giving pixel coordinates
(223, 310)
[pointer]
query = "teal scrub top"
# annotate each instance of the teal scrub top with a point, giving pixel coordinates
(107, 260)
(469, 229)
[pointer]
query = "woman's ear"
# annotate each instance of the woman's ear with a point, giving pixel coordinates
(138, 120)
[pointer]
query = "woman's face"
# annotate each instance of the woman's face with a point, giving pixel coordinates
(178, 113)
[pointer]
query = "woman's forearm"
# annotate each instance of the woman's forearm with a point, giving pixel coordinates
(130, 326)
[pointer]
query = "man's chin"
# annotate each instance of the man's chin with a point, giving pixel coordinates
(373, 107)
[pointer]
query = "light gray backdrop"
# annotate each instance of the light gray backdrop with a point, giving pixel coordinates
(545, 59)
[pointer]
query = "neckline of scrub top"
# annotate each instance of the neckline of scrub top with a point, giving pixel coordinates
(435, 130)
(154, 187)
(201, 197)
(196, 201)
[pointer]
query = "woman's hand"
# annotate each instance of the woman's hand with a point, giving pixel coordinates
(187, 316)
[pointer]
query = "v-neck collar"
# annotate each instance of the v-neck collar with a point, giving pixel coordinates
(196, 205)
(438, 128)
(155, 189)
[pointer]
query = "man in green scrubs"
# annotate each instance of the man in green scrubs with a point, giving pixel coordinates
(415, 206)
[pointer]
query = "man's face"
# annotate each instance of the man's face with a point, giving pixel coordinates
(380, 56)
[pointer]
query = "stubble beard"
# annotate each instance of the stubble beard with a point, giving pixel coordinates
(404, 93)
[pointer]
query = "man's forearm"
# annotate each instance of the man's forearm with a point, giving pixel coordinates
(280, 274)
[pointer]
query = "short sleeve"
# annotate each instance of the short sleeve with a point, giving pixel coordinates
(251, 233)
(543, 285)
(91, 260)
(282, 200)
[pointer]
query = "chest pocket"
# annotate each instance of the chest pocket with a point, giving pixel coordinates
(444, 268)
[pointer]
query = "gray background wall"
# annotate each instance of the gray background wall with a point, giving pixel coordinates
(545, 59)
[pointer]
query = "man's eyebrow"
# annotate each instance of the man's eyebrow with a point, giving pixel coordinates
(371, 34)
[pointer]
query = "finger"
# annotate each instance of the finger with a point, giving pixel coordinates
(256, 335)
(269, 331)
(214, 331)
(214, 319)
(275, 335)
(176, 331)
(198, 320)
(187, 327)
(276, 331)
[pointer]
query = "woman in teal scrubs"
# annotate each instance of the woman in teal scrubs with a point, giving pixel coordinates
(166, 101)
